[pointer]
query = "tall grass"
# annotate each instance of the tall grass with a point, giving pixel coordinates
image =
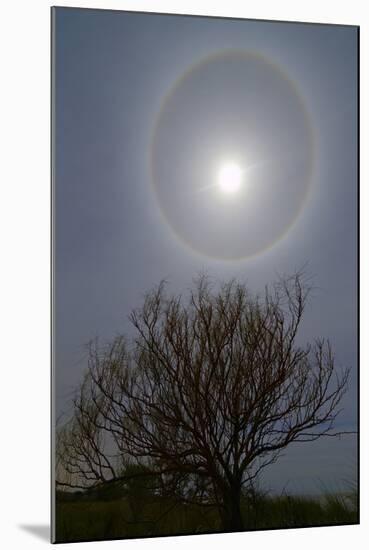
(79, 519)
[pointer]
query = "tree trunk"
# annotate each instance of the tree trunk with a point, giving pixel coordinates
(231, 515)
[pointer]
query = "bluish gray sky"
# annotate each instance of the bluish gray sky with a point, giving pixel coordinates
(113, 70)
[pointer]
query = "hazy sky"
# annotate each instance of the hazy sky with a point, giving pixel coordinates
(121, 223)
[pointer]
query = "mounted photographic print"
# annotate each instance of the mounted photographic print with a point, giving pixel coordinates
(205, 275)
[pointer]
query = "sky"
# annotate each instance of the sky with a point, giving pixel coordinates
(147, 108)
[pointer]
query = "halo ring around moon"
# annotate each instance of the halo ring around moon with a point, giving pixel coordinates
(180, 196)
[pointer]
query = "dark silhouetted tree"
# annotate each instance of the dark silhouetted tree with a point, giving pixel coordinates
(209, 392)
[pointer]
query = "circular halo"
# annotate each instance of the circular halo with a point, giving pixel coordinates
(232, 104)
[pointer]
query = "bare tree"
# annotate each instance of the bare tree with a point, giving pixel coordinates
(210, 391)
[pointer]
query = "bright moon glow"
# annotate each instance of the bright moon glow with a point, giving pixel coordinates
(230, 178)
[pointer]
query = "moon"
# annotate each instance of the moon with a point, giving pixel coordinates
(230, 178)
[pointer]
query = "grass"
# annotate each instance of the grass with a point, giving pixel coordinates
(292, 511)
(79, 519)
(86, 520)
